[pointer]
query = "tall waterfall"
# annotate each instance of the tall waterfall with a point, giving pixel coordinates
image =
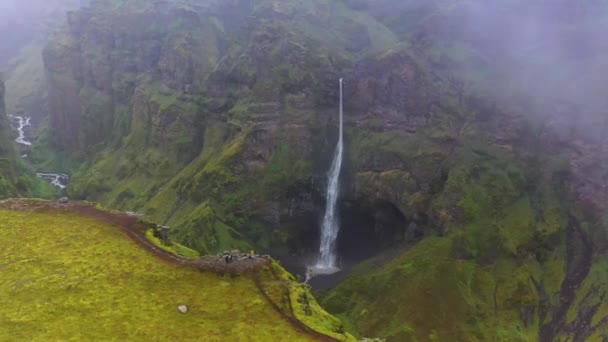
(331, 226)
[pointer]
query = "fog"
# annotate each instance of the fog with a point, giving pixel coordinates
(550, 55)
(24, 21)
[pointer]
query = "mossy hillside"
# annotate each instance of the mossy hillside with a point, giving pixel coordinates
(428, 294)
(590, 298)
(80, 278)
(192, 200)
(172, 247)
(161, 141)
(207, 197)
(179, 44)
(178, 198)
(497, 267)
(171, 45)
(157, 161)
(211, 201)
(45, 155)
(28, 184)
(295, 300)
(413, 159)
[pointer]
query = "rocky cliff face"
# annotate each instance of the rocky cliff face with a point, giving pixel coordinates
(219, 120)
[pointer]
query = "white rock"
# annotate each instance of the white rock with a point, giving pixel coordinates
(182, 308)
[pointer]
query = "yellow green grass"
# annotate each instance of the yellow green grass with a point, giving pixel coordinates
(68, 277)
(172, 247)
(296, 300)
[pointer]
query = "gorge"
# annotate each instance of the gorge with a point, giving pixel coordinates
(462, 197)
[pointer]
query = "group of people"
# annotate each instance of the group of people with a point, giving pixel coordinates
(230, 257)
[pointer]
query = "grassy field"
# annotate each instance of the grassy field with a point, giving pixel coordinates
(67, 277)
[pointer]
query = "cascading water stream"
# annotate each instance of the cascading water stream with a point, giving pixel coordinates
(330, 227)
(58, 180)
(22, 122)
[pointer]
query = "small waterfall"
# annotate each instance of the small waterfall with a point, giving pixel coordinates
(22, 122)
(330, 227)
(59, 180)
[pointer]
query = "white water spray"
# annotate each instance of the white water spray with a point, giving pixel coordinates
(57, 179)
(22, 122)
(330, 228)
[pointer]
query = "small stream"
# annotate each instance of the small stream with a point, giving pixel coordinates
(59, 180)
(21, 123)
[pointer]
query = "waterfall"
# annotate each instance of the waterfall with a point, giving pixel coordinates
(23, 122)
(331, 226)
(59, 180)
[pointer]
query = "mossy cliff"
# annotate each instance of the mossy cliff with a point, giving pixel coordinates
(197, 118)
(501, 234)
(218, 119)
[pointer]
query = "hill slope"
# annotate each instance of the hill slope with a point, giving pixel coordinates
(67, 276)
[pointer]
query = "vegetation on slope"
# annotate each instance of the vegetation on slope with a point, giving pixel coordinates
(16, 177)
(296, 301)
(508, 260)
(66, 276)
